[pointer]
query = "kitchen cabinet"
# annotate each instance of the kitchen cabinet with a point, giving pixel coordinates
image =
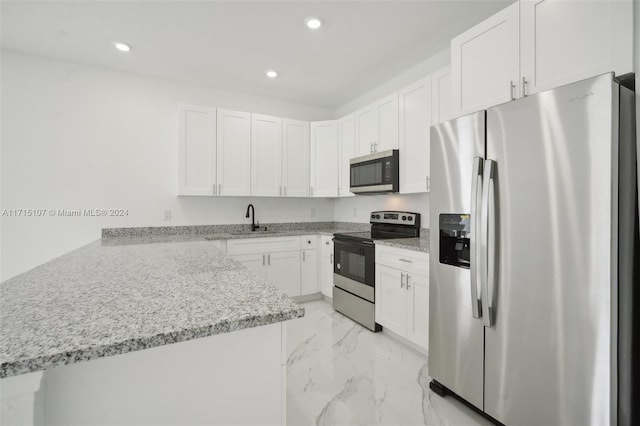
(402, 293)
(535, 45)
(566, 41)
(324, 159)
(283, 271)
(326, 265)
(309, 282)
(377, 126)
(441, 95)
(233, 152)
(415, 121)
(266, 155)
(485, 62)
(295, 158)
(347, 140)
(197, 150)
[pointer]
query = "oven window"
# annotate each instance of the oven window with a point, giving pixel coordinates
(355, 262)
(366, 174)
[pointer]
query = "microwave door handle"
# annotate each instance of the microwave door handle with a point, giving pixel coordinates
(476, 186)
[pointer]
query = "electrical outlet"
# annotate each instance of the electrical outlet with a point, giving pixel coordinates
(313, 212)
(166, 215)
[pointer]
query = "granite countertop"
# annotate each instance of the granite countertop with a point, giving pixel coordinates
(108, 299)
(415, 244)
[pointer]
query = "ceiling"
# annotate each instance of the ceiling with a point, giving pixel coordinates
(230, 44)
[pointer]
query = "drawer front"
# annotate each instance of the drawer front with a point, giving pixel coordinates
(262, 245)
(308, 242)
(406, 260)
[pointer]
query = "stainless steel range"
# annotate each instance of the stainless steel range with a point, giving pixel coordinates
(355, 259)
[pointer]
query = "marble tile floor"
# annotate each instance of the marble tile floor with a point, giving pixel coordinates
(340, 373)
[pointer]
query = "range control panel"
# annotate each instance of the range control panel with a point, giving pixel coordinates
(396, 218)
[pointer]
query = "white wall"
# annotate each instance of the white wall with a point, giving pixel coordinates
(358, 208)
(76, 136)
(434, 63)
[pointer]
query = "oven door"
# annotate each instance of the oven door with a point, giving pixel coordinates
(354, 267)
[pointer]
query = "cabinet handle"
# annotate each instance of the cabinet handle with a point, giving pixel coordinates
(219, 189)
(269, 259)
(285, 191)
(524, 86)
(401, 279)
(428, 183)
(408, 286)
(406, 260)
(371, 148)
(303, 256)
(263, 260)
(513, 90)
(311, 191)
(331, 259)
(214, 189)
(280, 192)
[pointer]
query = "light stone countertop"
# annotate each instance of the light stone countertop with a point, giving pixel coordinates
(102, 300)
(415, 244)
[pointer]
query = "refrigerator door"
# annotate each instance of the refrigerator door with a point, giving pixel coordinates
(455, 336)
(551, 347)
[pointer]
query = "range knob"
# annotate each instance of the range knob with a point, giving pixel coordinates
(404, 218)
(377, 216)
(410, 218)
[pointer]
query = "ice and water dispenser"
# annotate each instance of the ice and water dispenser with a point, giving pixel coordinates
(455, 231)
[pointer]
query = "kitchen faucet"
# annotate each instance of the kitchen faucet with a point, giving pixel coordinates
(253, 217)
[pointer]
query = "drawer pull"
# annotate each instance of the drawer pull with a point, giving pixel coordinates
(406, 260)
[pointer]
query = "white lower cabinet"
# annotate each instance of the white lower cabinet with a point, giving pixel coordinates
(402, 293)
(289, 263)
(326, 265)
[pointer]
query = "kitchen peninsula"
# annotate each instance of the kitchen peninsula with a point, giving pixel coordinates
(169, 332)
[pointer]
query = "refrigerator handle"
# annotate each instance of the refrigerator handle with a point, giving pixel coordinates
(487, 241)
(476, 185)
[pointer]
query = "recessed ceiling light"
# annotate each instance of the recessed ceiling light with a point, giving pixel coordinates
(313, 23)
(123, 47)
(272, 74)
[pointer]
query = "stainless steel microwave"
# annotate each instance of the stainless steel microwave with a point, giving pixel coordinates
(374, 173)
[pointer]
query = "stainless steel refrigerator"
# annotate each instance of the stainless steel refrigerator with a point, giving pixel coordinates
(534, 241)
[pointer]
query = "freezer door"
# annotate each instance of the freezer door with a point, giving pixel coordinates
(455, 336)
(549, 351)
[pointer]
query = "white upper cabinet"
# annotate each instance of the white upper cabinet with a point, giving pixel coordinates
(266, 155)
(387, 112)
(347, 140)
(295, 158)
(366, 130)
(197, 150)
(565, 41)
(535, 45)
(415, 120)
(324, 159)
(234, 152)
(441, 95)
(377, 126)
(485, 63)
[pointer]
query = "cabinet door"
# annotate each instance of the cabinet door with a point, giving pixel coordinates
(309, 272)
(366, 120)
(283, 271)
(295, 158)
(391, 299)
(485, 63)
(418, 309)
(415, 120)
(266, 155)
(234, 152)
(566, 41)
(326, 266)
(254, 262)
(441, 95)
(197, 153)
(387, 113)
(324, 159)
(347, 135)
